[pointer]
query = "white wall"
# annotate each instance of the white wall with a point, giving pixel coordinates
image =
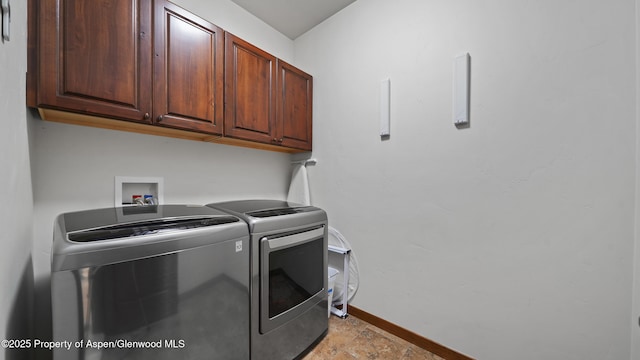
(512, 239)
(16, 273)
(635, 318)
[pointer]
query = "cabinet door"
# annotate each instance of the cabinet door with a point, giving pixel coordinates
(250, 84)
(95, 57)
(294, 111)
(188, 70)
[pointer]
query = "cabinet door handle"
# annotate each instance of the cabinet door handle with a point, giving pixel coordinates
(160, 118)
(146, 116)
(280, 140)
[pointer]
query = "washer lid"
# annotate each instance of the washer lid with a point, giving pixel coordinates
(104, 236)
(149, 227)
(97, 218)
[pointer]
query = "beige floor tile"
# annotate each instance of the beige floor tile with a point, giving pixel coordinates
(372, 345)
(352, 338)
(416, 353)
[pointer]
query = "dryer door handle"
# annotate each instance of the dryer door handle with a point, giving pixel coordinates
(295, 239)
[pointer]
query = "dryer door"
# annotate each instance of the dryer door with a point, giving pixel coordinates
(292, 275)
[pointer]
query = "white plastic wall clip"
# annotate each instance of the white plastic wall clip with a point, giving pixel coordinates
(385, 108)
(6, 19)
(461, 90)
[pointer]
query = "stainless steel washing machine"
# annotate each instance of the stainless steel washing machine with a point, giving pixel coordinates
(151, 282)
(288, 275)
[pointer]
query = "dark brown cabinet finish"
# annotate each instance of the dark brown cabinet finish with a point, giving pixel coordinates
(249, 89)
(89, 62)
(294, 111)
(149, 66)
(188, 70)
(266, 99)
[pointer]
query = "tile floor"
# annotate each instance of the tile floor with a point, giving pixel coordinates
(352, 338)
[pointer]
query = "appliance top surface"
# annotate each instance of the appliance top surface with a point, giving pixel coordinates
(264, 215)
(104, 236)
(96, 218)
(249, 206)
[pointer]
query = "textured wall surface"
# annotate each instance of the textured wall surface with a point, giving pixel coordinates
(510, 239)
(16, 211)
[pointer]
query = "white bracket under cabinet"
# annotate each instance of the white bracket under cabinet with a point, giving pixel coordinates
(343, 255)
(127, 187)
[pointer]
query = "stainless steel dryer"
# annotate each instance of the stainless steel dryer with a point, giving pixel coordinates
(152, 282)
(288, 275)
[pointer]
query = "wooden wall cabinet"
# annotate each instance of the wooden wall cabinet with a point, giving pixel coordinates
(294, 107)
(266, 99)
(188, 70)
(96, 63)
(250, 111)
(150, 66)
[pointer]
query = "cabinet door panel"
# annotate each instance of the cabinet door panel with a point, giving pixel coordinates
(249, 107)
(294, 106)
(95, 65)
(103, 52)
(189, 77)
